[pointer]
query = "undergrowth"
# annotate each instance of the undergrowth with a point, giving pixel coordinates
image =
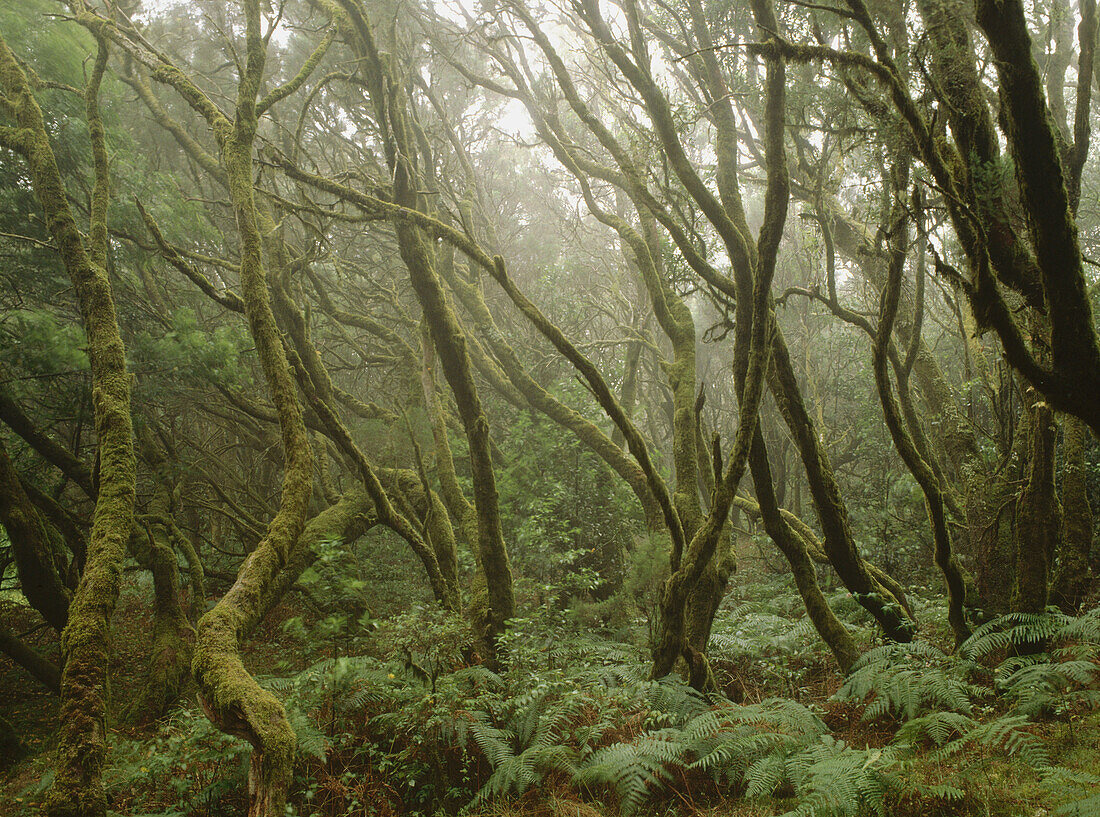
(403, 727)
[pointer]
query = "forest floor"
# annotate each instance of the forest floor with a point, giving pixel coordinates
(379, 754)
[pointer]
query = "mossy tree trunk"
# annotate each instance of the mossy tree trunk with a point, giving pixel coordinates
(1073, 579)
(448, 337)
(40, 668)
(229, 694)
(903, 441)
(169, 668)
(828, 626)
(82, 735)
(1038, 514)
(829, 504)
(754, 269)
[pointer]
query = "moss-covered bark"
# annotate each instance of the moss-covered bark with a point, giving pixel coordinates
(754, 331)
(920, 469)
(1045, 197)
(196, 574)
(229, 694)
(1073, 578)
(794, 548)
(954, 68)
(453, 497)
(81, 747)
(1038, 514)
(351, 517)
(534, 395)
(448, 337)
(50, 450)
(169, 667)
(831, 509)
(450, 343)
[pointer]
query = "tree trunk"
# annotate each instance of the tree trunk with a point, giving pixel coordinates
(1038, 514)
(1073, 578)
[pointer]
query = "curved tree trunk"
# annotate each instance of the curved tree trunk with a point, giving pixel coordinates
(794, 548)
(447, 334)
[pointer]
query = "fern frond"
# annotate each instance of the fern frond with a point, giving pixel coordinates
(908, 680)
(1015, 630)
(1007, 734)
(636, 771)
(939, 727)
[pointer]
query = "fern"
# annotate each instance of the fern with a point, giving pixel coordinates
(1016, 630)
(832, 778)
(531, 741)
(1084, 801)
(1007, 734)
(635, 771)
(1044, 686)
(730, 742)
(1085, 807)
(938, 727)
(674, 703)
(909, 680)
(514, 773)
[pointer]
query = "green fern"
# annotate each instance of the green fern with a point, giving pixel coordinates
(1017, 630)
(908, 681)
(514, 773)
(635, 771)
(834, 779)
(1077, 789)
(938, 727)
(1085, 807)
(673, 703)
(1044, 687)
(734, 743)
(531, 740)
(1008, 734)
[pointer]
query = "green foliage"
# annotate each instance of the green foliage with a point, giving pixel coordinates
(526, 738)
(195, 352)
(1022, 631)
(1009, 734)
(635, 771)
(1048, 682)
(832, 778)
(567, 519)
(43, 344)
(407, 729)
(908, 681)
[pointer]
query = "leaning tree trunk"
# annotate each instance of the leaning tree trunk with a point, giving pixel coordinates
(447, 334)
(37, 564)
(794, 548)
